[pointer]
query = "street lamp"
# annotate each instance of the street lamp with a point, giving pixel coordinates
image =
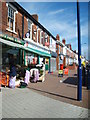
(79, 87)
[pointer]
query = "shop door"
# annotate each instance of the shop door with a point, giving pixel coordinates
(53, 64)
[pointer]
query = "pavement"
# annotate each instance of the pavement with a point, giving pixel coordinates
(25, 103)
(0, 105)
(62, 89)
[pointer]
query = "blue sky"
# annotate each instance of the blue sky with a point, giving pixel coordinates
(61, 18)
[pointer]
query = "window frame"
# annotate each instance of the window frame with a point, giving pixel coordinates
(9, 17)
(30, 28)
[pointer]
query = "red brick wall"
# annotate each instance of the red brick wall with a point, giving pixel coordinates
(25, 26)
(57, 59)
(0, 16)
(18, 23)
(4, 17)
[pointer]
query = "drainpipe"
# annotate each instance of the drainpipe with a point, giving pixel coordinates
(23, 36)
(22, 27)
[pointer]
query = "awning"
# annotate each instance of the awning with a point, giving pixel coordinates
(13, 51)
(41, 53)
(7, 42)
(53, 54)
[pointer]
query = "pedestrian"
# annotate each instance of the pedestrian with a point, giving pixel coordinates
(12, 74)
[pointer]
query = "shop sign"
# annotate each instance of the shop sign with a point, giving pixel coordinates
(27, 35)
(11, 39)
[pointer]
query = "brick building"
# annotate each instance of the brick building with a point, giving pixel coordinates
(21, 34)
(65, 54)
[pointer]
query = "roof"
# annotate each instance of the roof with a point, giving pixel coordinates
(24, 12)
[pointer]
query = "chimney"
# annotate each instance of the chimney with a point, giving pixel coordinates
(70, 47)
(75, 51)
(64, 41)
(35, 16)
(57, 37)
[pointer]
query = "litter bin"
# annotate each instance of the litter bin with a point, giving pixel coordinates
(61, 66)
(83, 76)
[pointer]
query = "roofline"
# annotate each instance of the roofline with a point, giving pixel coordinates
(22, 10)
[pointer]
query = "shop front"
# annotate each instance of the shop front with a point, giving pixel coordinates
(36, 54)
(11, 47)
(11, 54)
(53, 61)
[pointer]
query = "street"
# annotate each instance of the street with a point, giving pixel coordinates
(24, 103)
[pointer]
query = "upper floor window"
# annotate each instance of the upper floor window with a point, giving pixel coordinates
(10, 18)
(46, 37)
(30, 28)
(29, 25)
(41, 37)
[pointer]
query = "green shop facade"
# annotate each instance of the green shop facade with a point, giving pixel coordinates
(26, 51)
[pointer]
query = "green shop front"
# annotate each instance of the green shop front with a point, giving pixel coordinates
(36, 54)
(25, 52)
(11, 46)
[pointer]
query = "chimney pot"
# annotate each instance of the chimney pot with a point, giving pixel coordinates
(64, 41)
(57, 37)
(35, 16)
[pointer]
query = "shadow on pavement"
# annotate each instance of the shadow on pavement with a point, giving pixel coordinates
(53, 94)
(71, 80)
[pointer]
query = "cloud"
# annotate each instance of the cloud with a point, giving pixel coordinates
(56, 12)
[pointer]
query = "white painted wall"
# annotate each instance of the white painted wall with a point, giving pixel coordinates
(52, 45)
(64, 50)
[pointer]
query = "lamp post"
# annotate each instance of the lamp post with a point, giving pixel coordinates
(79, 89)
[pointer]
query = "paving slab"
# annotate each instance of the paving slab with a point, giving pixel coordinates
(65, 91)
(25, 103)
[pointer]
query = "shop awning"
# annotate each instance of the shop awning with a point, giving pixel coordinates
(53, 54)
(13, 51)
(7, 42)
(41, 53)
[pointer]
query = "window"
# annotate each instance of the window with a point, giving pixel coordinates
(29, 25)
(10, 18)
(30, 28)
(46, 37)
(41, 37)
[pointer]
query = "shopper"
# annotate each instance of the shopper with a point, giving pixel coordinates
(12, 74)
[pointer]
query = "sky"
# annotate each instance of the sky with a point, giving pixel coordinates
(61, 18)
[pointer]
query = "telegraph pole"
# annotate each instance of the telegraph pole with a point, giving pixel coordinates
(79, 87)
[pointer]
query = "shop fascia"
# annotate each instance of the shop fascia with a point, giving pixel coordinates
(30, 44)
(12, 39)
